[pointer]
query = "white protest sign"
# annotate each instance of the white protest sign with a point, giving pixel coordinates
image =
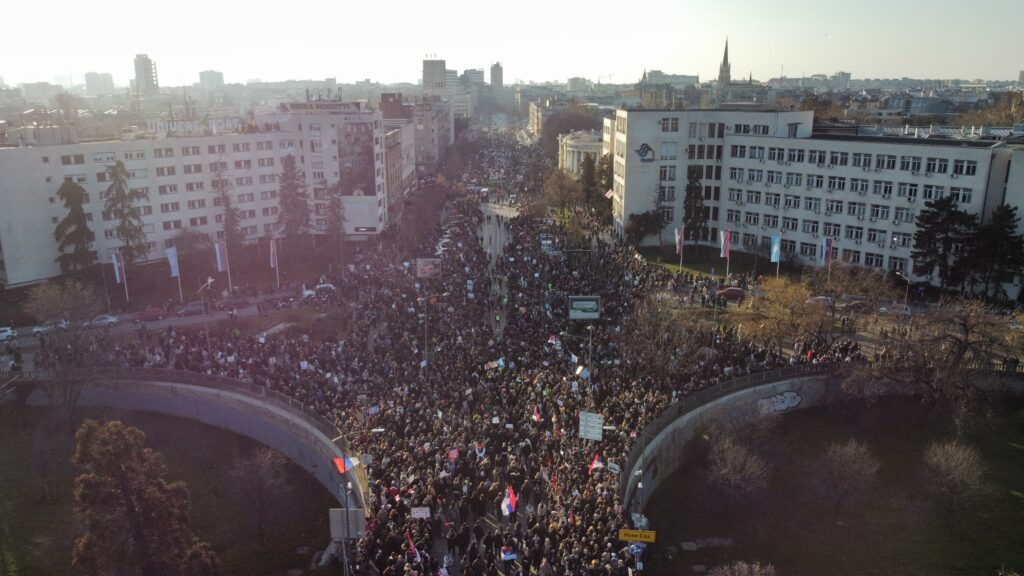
(421, 512)
(591, 426)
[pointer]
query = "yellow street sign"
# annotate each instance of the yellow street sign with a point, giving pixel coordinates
(636, 535)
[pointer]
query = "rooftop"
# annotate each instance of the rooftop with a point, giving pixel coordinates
(920, 141)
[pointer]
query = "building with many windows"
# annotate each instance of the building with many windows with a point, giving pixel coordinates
(146, 80)
(335, 144)
(768, 173)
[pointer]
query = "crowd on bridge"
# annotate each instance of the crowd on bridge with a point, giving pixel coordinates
(479, 425)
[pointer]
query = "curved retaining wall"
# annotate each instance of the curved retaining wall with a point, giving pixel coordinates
(245, 409)
(658, 452)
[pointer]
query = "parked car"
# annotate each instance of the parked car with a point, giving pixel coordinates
(820, 300)
(854, 306)
(102, 321)
(50, 326)
(895, 309)
(150, 314)
(7, 333)
(732, 293)
(319, 290)
(190, 309)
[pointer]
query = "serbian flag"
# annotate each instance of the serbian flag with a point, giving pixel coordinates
(220, 249)
(679, 239)
(118, 261)
(595, 464)
(412, 549)
(826, 251)
(508, 505)
(536, 414)
(724, 239)
(273, 253)
(345, 463)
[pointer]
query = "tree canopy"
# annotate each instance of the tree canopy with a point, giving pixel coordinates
(122, 205)
(72, 232)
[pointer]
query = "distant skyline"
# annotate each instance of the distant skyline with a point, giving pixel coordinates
(538, 41)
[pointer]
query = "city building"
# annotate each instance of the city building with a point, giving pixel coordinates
(99, 84)
(399, 167)
(573, 147)
(768, 173)
(498, 76)
(434, 78)
(146, 81)
(539, 112)
(211, 80)
(336, 144)
(40, 92)
(729, 91)
(434, 127)
(473, 77)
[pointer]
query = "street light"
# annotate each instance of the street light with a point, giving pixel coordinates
(432, 299)
(906, 293)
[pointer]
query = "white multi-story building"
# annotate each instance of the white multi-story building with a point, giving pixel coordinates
(334, 144)
(766, 173)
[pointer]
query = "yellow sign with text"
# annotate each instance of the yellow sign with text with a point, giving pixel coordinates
(636, 535)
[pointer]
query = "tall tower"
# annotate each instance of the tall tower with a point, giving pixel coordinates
(434, 78)
(497, 76)
(146, 83)
(725, 70)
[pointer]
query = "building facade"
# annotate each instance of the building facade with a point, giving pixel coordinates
(574, 147)
(767, 173)
(211, 80)
(146, 80)
(497, 76)
(434, 78)
(334, 143)
(99, 84)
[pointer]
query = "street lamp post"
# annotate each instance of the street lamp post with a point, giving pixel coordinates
(906, 293)
(432, 299)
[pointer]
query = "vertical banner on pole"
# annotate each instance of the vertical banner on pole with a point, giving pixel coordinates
(172, 260)
(273, 253)
(724, 239)
(115, 258)
(826, 251)
(776, 252)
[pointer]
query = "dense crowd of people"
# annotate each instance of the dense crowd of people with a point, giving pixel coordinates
(473, 377)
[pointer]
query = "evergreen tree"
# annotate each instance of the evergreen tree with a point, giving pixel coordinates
(605, 174)
(135, 521)
(121, 206)
(695, 216)
(588, 178)
(73, 233)
(941, 228)
(997, 252)
(294, 215)
(232, 230)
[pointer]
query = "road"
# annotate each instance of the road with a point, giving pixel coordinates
(495, 238)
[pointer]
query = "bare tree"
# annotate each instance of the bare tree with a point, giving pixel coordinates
(259, 481)
(744, 569)
(956, 472)
(736, 467)
(850, 471)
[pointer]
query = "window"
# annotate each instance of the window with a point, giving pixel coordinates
(246, 214)
(265, 145)
(754, 175)
(246, 198)
(218, 166)
(319, 175)
(809, 226)
(910, 163)
(882, 188)
(774, 177)
(885, 162)
(248, 230)
(108, 234)
(753, 196)
(193, 169)
(146, 210)
(962, 195)
(879, 212)
(816, 156)
(741, 129)
(836, 183)
(750, 240)
(732, 216)
(669, 151)
(667, 213)
(270, 211)
(757, 152)
(240, 147)
(815, 180)
(898, 264)
(789, 223)
(965, 167)
(268, 194)
(218, 218)
(900, 239)
(933, 192)
(287, 144)
(760, 129)
(808, 250)
(795, 155)
(666, 193)
(198, 221)
(834, 207)
(855, 209)
(851, 256)
(738, 151)
(831, 230)
(669, 124)
(736, 173)
(794, 179)
(194, 186)
(771, 221)
(904, 215)
(163, 152)
(72, 159)
(772, 199)
(812, 204)
(268, 178)
(165, 171)
(788, 246)
(876, 236)
(195, 204)
(859, 185)
(243, 181)
(792, 201)
(165, 189)
(101, 176)
(190, 150)
(752, 218)
(937, 165)
(861, 160)
(138, 173)
(170, 207)
(839, 158)
(854, 232)
(665, 173)
(172, 225)
(907, 190)
(777, 154)
(216, 149)
(873, 260)
(243, 164)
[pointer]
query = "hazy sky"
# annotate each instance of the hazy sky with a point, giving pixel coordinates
(535, 40)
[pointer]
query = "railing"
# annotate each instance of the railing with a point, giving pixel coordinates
(182, 377)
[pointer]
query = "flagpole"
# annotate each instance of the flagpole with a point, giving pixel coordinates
(777, 268)
(124, 276)
(277, 261)
(181, 295)
(106, 292)
(227, 262)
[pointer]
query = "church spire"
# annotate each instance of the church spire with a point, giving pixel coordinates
(724, 71)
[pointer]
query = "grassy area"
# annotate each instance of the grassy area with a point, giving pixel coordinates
(705, 260)
(896, 529)
(36, 536)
